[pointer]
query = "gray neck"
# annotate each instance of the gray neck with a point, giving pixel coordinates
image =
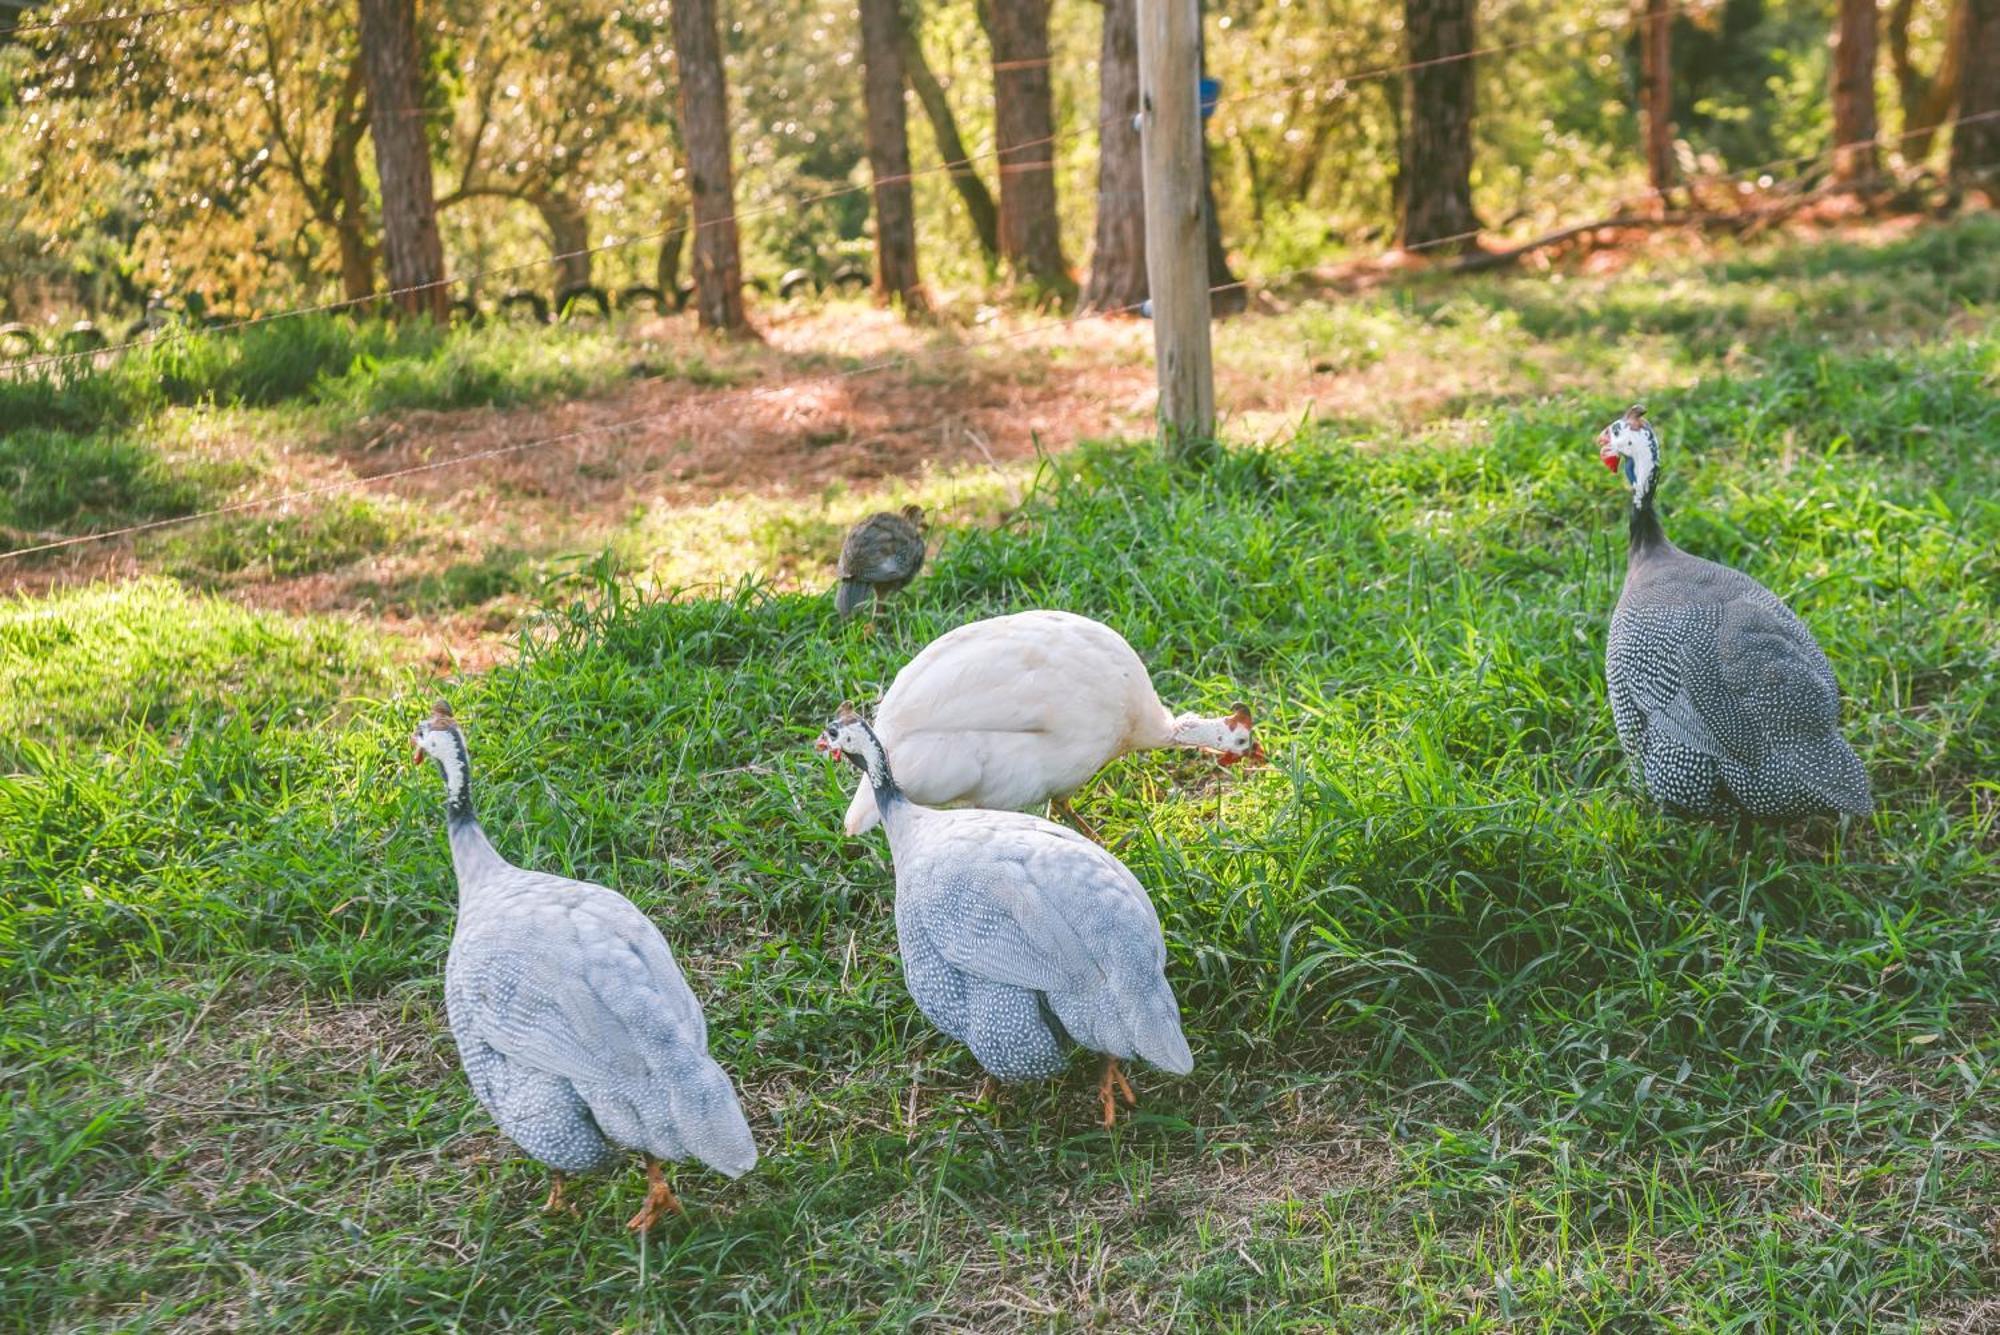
(473, 857)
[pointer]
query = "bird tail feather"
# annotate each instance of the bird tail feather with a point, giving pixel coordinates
(862, 813)
(1835, 775)
(1156, 1032)
(709, 1121)
(849, 595)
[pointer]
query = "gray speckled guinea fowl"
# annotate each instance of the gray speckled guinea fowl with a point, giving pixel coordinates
(1020, 938)
(882, 553)
(573, 1022)
(1723, 701)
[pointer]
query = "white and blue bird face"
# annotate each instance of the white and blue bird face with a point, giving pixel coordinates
(1630, 445)
(848, 738)
(437, 739)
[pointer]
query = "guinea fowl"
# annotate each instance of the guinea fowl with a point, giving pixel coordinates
(572, 1020)
(1019, 938)
(1723, 701)
(882, 553)
(1015, 711)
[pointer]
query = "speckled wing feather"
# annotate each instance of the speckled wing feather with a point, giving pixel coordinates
(1722, 698)
(1018, 901)
(883, 549)
(564, 978)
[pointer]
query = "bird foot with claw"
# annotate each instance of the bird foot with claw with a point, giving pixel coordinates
(557, 1203)
(1112, 1087)
(660, 1199)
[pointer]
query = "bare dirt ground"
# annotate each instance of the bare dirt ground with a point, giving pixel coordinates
(834, 410)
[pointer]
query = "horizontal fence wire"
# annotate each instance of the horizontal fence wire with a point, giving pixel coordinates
(1336, 83)
(755, 392)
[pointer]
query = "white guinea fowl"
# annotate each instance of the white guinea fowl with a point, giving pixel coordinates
(573, 1022)
(1722, 698)
(1015, 711)
(1019, 938)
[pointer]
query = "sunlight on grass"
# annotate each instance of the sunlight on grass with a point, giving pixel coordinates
(1483, 1041)
(794, 545)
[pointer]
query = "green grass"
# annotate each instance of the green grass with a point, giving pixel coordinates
(86, 447)
(1483, 1042)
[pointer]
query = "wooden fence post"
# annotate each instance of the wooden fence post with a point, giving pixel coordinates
(1176, 237)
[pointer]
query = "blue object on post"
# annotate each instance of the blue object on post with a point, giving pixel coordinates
(1211, 93)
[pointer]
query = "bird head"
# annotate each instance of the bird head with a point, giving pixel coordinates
(1630, 444)
(846, 737)
(438, 737)
(1240, 738)
(915, 514)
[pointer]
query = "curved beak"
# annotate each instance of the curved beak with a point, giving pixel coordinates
(826, 748)
(1605, 453)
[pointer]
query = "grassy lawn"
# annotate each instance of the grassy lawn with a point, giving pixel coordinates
(1482, 1042)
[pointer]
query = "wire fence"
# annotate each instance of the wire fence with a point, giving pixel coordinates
(1337, 83)
(792, 385)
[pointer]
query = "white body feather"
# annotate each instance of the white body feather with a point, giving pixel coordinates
(1013, 711)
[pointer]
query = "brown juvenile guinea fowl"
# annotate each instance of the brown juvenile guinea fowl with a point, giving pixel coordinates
(1722, 699)
(882, 553)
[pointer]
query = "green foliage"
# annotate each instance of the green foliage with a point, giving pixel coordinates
(1483, 1041)
(53, 480)
(304, 543)
(362, 365)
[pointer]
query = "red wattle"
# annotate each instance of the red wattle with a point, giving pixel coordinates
(1610, 461)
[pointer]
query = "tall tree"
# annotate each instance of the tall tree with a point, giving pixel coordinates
(1854, 124)
(889, 154)
(1926, 99)
(704, 103)
(232, 152)
(1975, 139)
(410, 237)
(1024, 128)
(1656, 91)
(569, 237)
(1118, 255)
(972, 191)
(1434, 180)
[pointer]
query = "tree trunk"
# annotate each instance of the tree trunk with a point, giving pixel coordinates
(667, 268)
(1024, 129)
(718, 266)
(1854, 125)
(357, 257)
(350, 196)
(569, 238)
(1118, 255)
(410, 238)
(1975, 137)
(889, 155)
(1435, 177)
(1226, 296)
(1926, 100)
(1656, 92)
(972, 191)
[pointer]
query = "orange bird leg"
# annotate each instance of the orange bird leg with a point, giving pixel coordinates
(1114, 1079)
(660, 1199)
(556, 1203)
(1061, 807)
